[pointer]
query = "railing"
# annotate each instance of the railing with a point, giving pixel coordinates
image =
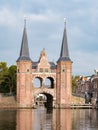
(84, 106)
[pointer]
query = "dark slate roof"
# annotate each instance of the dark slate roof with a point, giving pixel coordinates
(64, 55)
(52, 65)
(64, 59)
(24, 52)
(34, 65)
(23, 58)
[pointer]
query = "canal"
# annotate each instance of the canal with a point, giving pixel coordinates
(43, 119)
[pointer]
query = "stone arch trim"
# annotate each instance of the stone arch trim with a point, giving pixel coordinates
(37, 76)
(44, 76)
(45, 90)
(50, 77)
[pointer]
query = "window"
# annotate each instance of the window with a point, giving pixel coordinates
(18, 70)
(46, 70)
(63, 69)
(41, 69)
(27, 70)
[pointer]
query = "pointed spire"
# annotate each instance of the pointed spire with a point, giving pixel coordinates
(24, 52)
(64, 55)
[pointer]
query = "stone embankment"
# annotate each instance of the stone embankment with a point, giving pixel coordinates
(78, 100)
(8, 102)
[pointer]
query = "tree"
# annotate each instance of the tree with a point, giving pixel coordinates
(11, 78)
(3, 72)
(74, 83)
(7, 78)
(3, 69)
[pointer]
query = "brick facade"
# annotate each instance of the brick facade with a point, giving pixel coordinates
(59, 93)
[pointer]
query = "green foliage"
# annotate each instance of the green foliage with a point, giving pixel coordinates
(7, 78)
(3, 71)
(74, 83)
(12, 78)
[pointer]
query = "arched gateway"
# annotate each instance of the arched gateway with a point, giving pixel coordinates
(44, 77)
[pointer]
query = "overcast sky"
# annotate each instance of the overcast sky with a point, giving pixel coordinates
(45, 25)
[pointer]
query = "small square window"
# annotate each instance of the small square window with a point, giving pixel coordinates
(46, 70)
(41, 69)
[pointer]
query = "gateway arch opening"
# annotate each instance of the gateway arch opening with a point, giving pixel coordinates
(44, 99)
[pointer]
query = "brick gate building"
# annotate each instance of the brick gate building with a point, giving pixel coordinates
(58, 93)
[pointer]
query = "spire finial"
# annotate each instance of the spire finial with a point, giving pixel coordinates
(25, 19)
(65, 22)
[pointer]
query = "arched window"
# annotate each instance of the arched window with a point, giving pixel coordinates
(49, 82)
(37, 82)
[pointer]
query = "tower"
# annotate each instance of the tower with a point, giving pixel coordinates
(64, 70)
(24, 73)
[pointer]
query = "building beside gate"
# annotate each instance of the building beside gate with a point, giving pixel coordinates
(87, 87)
(58, 93)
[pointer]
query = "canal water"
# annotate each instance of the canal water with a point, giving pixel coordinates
(43, 119)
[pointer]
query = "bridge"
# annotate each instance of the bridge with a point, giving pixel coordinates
(46, 91)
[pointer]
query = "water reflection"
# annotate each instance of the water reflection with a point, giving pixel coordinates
(85, 119)
(7, 120)
(24, 119)
(43, 119)
(63, 119)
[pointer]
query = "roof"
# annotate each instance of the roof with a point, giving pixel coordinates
(52, 65)
(64, 55)
(24, 52)
(34, 66)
